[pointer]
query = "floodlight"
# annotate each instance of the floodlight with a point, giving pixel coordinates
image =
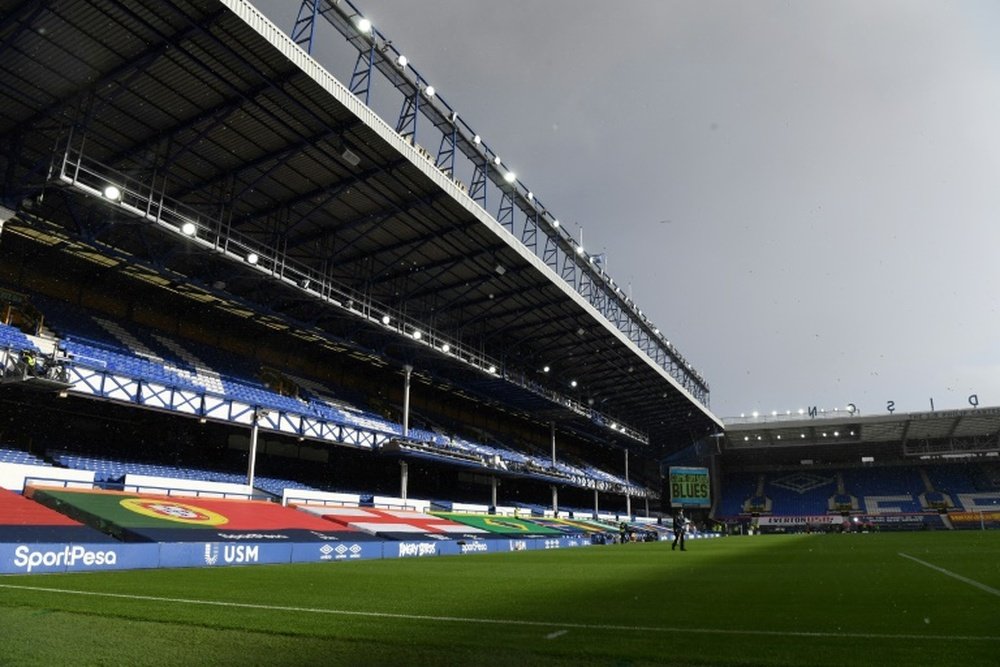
(510, 177)
(386, 319)
(417, 335)
(401, 60)
(497, 160)
(189, 228)
(364, 25)
(531, 196)
(755, 414)
(555, 223)
(252, 258)
(454, 117)
(572, 383)
(112, 192)
(446, 348)
(836, 434)
(477, 140)
(429, 91)
(545, 369)
(579, 250)
(492, 368)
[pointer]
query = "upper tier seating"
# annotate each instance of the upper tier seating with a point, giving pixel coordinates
(19, 456)
(127, 349)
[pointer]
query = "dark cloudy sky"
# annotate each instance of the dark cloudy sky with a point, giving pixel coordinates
(804, 196)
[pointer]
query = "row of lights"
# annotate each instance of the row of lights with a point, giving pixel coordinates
(801, 411)
(188, 228)
(366, 27)
(417, 334)
(825, 434)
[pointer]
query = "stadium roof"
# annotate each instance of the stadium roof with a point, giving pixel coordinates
(919, 433)
(245, 170)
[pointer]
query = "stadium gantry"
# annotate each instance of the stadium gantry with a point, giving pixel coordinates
(194, 146)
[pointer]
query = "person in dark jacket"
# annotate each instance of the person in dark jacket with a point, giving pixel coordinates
(679, 529)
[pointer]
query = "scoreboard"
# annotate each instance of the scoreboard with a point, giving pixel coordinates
(689, 487)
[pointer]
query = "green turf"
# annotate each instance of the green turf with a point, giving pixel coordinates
(770, 600)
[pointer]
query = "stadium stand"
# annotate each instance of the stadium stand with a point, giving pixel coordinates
(394, 524)
(503, 525)
(135, 517)
(106, 345)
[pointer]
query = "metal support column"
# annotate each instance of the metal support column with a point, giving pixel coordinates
(596, 509)
(647, 507)
(493, 491)
(404, 479)
(555, 500)
(252, 458)
(407, 371)
(628, 494)
(553, 425)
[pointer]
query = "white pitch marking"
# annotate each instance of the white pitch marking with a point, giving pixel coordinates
(502, 621)
(557, 633)
(971, 582)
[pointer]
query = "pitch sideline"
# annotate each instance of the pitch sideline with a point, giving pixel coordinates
(499, 621)
(966, 580)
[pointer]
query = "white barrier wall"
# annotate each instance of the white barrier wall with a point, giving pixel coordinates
(290, 496)
(504, 510)
(12, 476)
(394, 503)
(470, 508)
(172, 486)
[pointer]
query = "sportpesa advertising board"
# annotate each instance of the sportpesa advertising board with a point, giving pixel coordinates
(689, 487)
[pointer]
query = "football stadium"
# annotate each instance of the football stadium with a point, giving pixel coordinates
(296, 370)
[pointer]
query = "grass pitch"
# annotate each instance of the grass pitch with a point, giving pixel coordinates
(879, 599)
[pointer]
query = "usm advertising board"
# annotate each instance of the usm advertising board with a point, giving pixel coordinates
(689, 487)
(72, 557)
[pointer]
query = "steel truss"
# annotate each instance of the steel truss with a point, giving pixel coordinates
(104, 384)
(491, 180)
